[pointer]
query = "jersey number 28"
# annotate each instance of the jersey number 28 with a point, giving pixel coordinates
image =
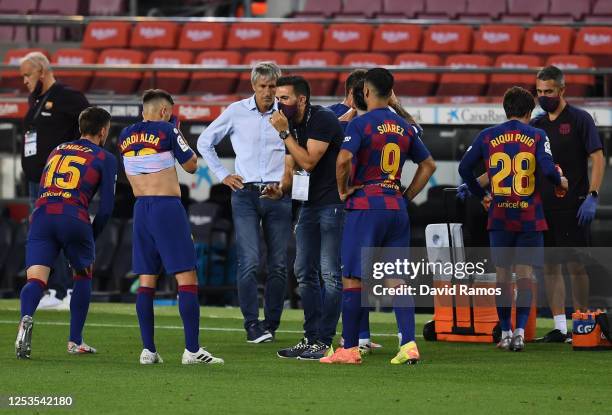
(522, 166)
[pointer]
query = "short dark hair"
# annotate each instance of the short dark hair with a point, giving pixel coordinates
(358, 98)
(354, 77)
(551, 72)
(299, 84)
(382, 80)
(518, 102)
(92, 120)
(153, 94)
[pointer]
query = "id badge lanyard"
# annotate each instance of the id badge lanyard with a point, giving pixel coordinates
(30, 137)
(301, 178)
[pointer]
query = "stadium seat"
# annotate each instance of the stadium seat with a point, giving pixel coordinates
(250, 36)
(11, 79)
(436, 9)
(173, 82)
(321, 83)
(598, 19)
(602, 8)
(124, 82)
(597, 43)
(105, 35)
(298, 36)
(251, 59)
(78, 80)
(416, 84)
(447, 39)
(574, 9)
(360, 60)
(479, 9)
(60, 7)
(361, 8)
(397, 38)
(154, 35)
(346, 37)
(501, 82)
(498, 39)
(575, 85)
(18, 6)
(320, 8)
(198, 36)
(529, 9)
(7, 34)
(216, 83)
(107, 7)
(398, 9)
(464, 84)
(548, 40)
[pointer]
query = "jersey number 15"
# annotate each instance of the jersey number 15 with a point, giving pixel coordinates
(62, 171)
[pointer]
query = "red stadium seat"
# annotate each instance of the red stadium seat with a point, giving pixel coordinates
(320, 8)
(416, 84)
(361, 8)
(216, 83)
(602, 8)
(60, 7)
(7, 33)
(598, 19)
(501, 82)
(173, 82)
(11, 79)
(529, 8)
(443, 8)
(105, 35)
(250, 36)
(575, 85)
(464, 84)
(298, 36)
(199, 36)
(574, 9)
(347, 37)
(447, 39)
(118, 82)
(548, 40)
(107, 7)
(252, 58)
(397, 38)
(78, 80)
(321, 83)
(477, 9)
(18, 6)
(154, 35)
(597, 43)
(497, 39)
(397, 9)
(360, 60)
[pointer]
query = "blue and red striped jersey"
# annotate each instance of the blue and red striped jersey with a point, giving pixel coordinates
(513, 152)
(381, 141)
(73, 174)
(153, 137)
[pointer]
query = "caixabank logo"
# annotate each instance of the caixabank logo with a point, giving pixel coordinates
(473, 115)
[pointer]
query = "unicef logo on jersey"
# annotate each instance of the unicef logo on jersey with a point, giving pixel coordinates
(347, 138)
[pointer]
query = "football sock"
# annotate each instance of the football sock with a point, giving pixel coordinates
(30, 296)
(351, 315)
(524, 288)
(79, 306)
(364, 326)
(189, 308)
(561, 323)
(506, 333)
(146, 318)
(403, 305)
(504, 305)
(519, 332)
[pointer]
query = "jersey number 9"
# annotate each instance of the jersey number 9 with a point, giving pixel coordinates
(390, 159)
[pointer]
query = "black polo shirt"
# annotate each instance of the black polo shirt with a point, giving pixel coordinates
(54, 116)
(321, 124)
(573, 137)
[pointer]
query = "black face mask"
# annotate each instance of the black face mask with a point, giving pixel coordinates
(289, 110)
(549, 104)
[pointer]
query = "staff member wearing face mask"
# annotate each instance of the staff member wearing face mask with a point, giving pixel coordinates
(574, 141)
(52, 119)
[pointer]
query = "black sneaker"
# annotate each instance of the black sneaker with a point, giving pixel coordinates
(294, 351)
(553, 336)
(317, 351)
(255, 334)
(265, 327)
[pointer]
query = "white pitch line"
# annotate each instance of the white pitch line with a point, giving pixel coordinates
(165, 327)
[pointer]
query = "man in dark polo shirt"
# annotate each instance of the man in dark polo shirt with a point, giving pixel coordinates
(52, 119)
(574, 141)
(312, 136)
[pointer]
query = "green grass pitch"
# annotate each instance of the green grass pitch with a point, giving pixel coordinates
(451, 379)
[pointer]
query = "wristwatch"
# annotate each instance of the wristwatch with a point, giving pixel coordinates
(594, 193)
(284, 134)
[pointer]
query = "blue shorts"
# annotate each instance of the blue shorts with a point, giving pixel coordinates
(161, 236)
(372, 228)
(517, 248)
(49, 234)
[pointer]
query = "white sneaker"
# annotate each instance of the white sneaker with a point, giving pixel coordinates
(65, 305)
(49, 301)
(201, 356)
(82, 348)
(147, 357)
